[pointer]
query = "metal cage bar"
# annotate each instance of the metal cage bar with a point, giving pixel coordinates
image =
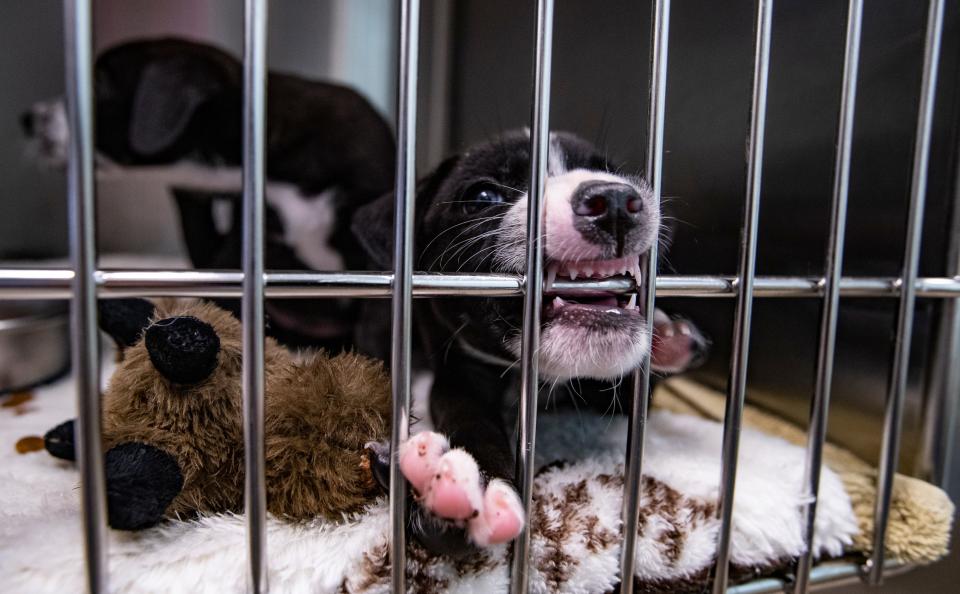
(254, 183)
(898, 378)
(19, 283)
(737, 383)
(84, 283)
(402, 280)
(530, 334)
(820, 403)
(633, 463)
(85, 336)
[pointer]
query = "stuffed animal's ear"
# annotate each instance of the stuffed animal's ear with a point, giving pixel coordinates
(124, 319)
(373, 223)
(169, 92)
(183, 349)
(142, 481)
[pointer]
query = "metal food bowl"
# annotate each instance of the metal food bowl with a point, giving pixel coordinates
(34, 343)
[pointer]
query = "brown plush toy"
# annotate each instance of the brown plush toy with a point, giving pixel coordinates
(172, 419)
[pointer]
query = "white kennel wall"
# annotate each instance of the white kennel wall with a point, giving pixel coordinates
(83, 283)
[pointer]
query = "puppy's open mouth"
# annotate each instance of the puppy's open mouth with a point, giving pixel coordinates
(590, 303)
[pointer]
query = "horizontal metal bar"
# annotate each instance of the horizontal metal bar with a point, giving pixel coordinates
(50, 283)
(826, 575)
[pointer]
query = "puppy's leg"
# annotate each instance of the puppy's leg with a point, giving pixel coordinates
(462, 474)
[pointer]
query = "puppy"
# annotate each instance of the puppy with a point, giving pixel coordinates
(471, 215)
(174, 106)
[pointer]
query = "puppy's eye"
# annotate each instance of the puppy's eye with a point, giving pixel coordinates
(481, 196)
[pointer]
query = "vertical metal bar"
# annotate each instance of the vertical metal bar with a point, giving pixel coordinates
(819, 406)
(533, 296)
(254, 133)
(83, 315)
(402, 276)
(737, 382)
(898, 377)
(659, 43)
(947, 364)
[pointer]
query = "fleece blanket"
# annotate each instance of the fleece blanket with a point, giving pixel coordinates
(575, 521)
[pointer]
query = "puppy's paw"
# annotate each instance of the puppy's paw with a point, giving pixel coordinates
(448, 485)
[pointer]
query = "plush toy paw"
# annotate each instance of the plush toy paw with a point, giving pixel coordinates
(142, 481)
(60, 441)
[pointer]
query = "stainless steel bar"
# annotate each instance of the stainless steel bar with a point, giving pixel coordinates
(254, 183)
(890, 449)
(820, 403)
(407, 71)
(633, 464)
(943, 387)
(947, 364)
(530, 336)
(85, 336)
(829, 575)
(56, 284)
(737, 383)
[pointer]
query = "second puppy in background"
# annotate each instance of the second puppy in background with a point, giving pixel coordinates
(471, 215)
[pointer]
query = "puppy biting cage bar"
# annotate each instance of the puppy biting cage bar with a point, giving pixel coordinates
(84, 284)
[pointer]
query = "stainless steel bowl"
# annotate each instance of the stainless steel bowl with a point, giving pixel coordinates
(34, 343)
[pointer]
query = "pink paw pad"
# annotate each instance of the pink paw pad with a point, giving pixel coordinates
(502, 517)
(420, 458)
(448, 485)
(455, 492)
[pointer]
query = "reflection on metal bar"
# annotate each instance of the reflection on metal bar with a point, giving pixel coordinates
(819, 406)
(254, 124)
(403, 283)
(898, 378)
(633, 465)
(737, 383)
(18, 283)
(530, 338)
(85, 346)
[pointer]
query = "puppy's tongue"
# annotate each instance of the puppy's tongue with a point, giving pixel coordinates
(603, 301)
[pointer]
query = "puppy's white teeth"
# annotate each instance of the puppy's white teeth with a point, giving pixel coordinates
(551, 276)
(557, 302)
(572, 273)
(587, 272)
(632, 304)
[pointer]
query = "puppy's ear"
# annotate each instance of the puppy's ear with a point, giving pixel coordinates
(169, 93)
(372, 224)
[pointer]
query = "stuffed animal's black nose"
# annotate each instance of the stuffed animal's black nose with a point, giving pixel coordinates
(612, 207)
(26, 123)
(183, 349)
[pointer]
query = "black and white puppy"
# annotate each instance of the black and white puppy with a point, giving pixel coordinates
(174, 106)
(471, 215)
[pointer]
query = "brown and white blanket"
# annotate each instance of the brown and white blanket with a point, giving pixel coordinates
(575, 520)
